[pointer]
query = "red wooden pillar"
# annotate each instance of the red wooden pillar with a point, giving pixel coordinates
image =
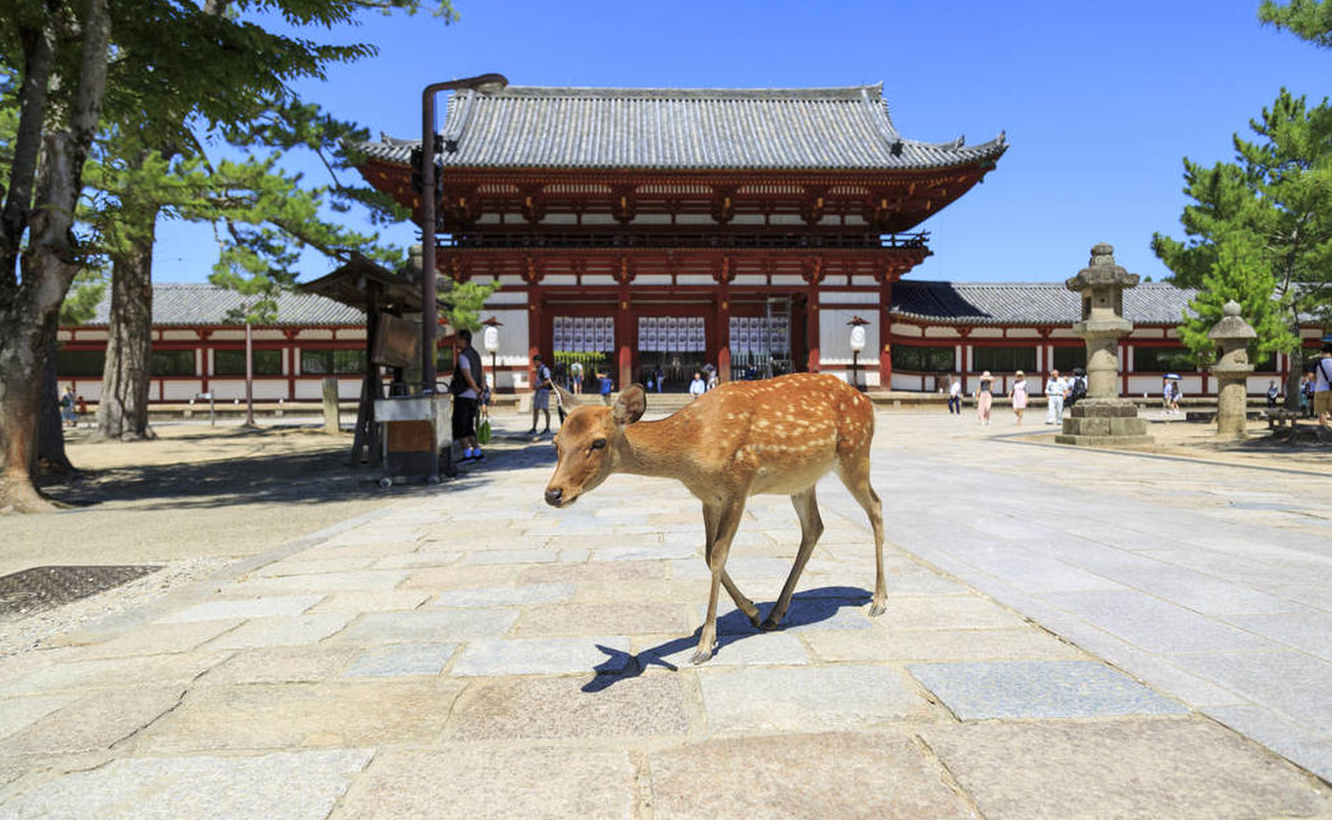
(624, 338)
(535, 328)
(885, 339)
(723, 331)
(812, 327)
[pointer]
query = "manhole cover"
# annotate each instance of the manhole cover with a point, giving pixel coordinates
(40, 588)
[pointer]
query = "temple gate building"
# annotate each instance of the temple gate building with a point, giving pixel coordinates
(659, 230)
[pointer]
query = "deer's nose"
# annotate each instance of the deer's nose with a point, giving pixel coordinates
(553, 497)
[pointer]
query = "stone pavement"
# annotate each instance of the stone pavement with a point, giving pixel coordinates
(474, 653)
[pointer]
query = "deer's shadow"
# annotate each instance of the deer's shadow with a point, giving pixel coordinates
(808, 607)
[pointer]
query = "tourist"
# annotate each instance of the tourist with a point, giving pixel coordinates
(1055, 390)
(576, 377)
(1322, 398)
(67, 407)
(541, 400)
(604, 387)
(1175, 393)
(1272, 393)
(712, 379)
(697, 387)
(1165, 393)
(1306, 395)
(984, 397)
(1018, 393)
(658, 377)
(466, 389)
(1077, 389)
(955, 397)
(81, 408)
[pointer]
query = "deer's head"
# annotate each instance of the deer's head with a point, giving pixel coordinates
(590, 446)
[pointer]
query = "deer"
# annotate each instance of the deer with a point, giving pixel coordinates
(744, 438)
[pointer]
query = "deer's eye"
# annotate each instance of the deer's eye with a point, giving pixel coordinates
(598, 444)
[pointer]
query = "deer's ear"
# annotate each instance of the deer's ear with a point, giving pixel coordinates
(630, 406)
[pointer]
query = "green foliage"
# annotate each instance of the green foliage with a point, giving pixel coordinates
(467, 299)
(87, 292)
(567, 357)
(1310, 19)
(1260, 229)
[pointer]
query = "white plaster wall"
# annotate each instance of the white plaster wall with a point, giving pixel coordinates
(835, 339)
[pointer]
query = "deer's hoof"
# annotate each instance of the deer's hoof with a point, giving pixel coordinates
(769, 624)
(701, 656)
(876, 609)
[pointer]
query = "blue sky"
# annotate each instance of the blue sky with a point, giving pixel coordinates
(1100, 101)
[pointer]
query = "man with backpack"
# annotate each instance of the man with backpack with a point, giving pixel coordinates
(1078, 389)
(1322, 402)
(541, 400)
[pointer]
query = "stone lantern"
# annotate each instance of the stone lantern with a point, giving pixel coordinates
(1102, 418)
(1232, 371)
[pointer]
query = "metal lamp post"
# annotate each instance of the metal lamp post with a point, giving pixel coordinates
(857, 344)
(490, 340)
(428, 150)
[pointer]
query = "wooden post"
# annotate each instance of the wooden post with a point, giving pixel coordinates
(332, 424)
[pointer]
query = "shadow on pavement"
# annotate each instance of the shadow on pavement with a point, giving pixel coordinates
(808, 607)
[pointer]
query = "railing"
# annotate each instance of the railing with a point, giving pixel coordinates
(682, 239)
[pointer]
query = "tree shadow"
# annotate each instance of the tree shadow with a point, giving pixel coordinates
(810, 606)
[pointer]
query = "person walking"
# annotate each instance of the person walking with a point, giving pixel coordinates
(1306, 395)
(67, 407)
(955, 397)
(1272, 393)
(541, 400)
(576, 377)
(1322, 398)
(697, 387)
(1018, 393)
(1055, 390)
(984, 397)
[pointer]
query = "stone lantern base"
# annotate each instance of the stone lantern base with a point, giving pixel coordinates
(1104, 423)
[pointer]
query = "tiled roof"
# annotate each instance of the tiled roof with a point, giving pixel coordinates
(1028, 303)
(203, 304)
(682, 129)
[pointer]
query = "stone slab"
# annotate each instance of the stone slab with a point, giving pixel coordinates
(19, 713)
(459, 577)
(399, 660)
(384, 600)
(558, 620)
(112, 673)
(571, 706)
(429, 626)
(479, 782)
(1290, 683)
(321, 583)
(1126, 769)
(293, 786)
(285, 716)
(876, 645)
(1309, 749)
(510, 556)
(547, 656)
(814, 698)
(97, 721)
(1154, 624)
(1308, 630)
(155, 639)
(282, 630)
(282, 664)
(418, 560)
(609, 572)
(770, 648)
(947, 612)
(1037, 689)
(646, 552)
(300, 564)
(864, 776)
(505, 596)
(244, 608)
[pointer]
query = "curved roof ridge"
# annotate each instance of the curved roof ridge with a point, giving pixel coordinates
(848, 93)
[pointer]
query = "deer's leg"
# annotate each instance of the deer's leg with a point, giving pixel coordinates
(710, 517)
(811, 527)
(854, 472)
(728, 520)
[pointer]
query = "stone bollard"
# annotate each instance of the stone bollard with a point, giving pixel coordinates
(332, 424)
(1232, 371)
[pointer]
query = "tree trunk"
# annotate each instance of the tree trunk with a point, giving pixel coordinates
(50, 426)
(122, 411)
(30, 302)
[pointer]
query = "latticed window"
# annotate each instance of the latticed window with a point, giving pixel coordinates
(232, 362)
(330, 362)
(1161, 359)
(1067, 358)
(80, 362)
(923, 359)
(171, 363)
(1003, 359)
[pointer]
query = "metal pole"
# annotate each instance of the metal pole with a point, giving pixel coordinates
(249, 377)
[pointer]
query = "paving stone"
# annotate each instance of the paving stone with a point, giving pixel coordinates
(946, 612)
(546, 656)
(299, 564)
(383, 600)
(509, 556)
(424, 626)
(505, 596)
(557, 620)
(1194, 590)
(96, 721)
(1153, 624)
(324, 583)
(282, 664)
(735, 649)
(375, 533)
(282, 631)
(1034, 689)
(863, 776)
(641, 591)
(1309, 749)
(607, 572)
(19, 713)
(1286, 682)
(813, 698)
(402, 659)
(113, 673)
(528, 782)
(418, 560)
(292, 786)
(159, 638)
(12, 768)
(742, 569)
(1308, 630)
(645, 552)
(572, 706)
(1127, 769)
(1029, 643)
(244, 608)
(284, 716)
